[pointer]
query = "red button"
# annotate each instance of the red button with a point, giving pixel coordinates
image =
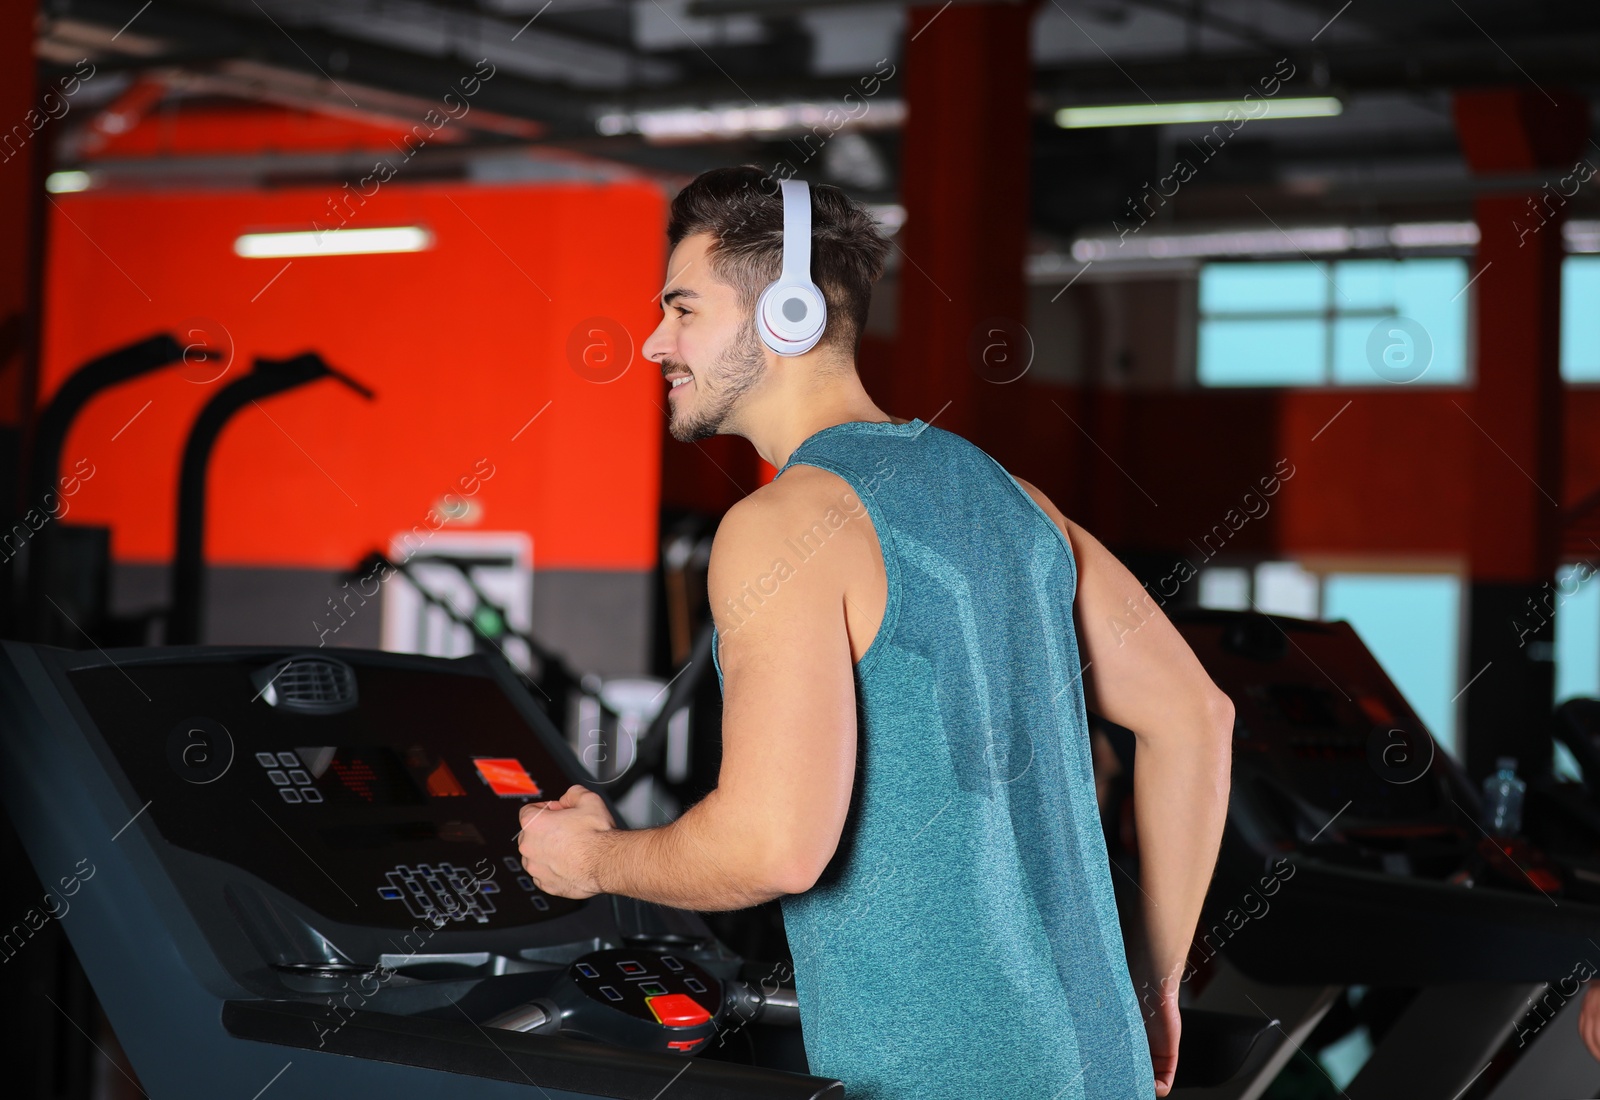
(677, 1010)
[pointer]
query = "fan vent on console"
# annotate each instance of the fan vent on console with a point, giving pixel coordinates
(308, 685)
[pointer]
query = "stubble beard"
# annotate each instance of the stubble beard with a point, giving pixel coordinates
(739, 368)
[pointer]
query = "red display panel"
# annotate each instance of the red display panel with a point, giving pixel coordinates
(506, 776)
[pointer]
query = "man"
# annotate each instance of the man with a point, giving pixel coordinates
(906, 758)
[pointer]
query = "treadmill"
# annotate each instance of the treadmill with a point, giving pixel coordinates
(1353, 856)
(283, 868)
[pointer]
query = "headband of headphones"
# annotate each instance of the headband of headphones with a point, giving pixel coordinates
(791, 313)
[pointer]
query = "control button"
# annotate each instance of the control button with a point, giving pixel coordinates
(389, 893)
(514, 863)
(266, 760)
(677, 1010)
(588, 971)
(653, 989)
(289, 794)
(288, 760)
(671, 963)
(278, 778)
(312, 794)
(695, 984)
(487, 887)
(415, 886)
(300, 777)
(525, 882)
(630, 967)
(541, 904)
(611, 993)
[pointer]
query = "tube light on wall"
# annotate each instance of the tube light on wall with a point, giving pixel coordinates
(1159, 114)
(334, 242)
(66, 182)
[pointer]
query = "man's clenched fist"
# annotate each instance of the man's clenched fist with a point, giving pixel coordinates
(561, 842)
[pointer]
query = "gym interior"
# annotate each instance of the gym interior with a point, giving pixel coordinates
(324, 422)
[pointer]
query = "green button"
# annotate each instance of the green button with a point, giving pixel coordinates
(653, 989)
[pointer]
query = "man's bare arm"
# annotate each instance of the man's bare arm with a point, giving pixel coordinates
(788, 726)
(1140, 674)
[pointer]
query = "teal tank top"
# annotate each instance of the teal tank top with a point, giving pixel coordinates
(963, 941)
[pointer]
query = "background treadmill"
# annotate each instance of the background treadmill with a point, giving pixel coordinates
(284, 868)
(1354, 855)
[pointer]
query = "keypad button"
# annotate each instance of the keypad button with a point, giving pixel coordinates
(630, 967)
(610, 993)
(288, 760)
(695, 984)
(300, 777)
(487, 887)
(311, 794)
(671, 963)
(652, 989)
(266, 760)
(677, 1010)
(588, 971)
(289, 794)
(389, 893)
(540, 904)
(278, 779)
(525, 882)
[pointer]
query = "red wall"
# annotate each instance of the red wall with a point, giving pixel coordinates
(463, 344)
(1391, 474)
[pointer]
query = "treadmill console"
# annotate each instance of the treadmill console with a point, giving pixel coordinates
(380, 799)
(1359, 832)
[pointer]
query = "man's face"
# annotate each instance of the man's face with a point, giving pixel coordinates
(706, 338)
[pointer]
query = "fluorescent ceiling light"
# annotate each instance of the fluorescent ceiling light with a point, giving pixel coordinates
(334, 242)
(60, 183)
(1198, 244)
(1157, 114)
(697, 124)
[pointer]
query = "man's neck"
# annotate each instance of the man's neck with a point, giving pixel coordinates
(784, 420)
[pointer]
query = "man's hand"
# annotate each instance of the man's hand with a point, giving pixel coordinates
(559, 842)
(1162, 1025)
(1589, 1019)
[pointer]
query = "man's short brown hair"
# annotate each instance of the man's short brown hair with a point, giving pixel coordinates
(742, 209)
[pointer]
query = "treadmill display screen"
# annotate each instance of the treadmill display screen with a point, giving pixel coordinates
(369, 774)
(401, 808)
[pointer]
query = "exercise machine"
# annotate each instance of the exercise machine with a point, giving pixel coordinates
(286, 862)
(1355, 857)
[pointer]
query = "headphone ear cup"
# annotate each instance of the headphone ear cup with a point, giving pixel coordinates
(791, 317)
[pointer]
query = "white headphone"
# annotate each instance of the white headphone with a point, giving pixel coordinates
(791, 312)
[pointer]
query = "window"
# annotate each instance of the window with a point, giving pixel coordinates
(1577, 650)
(1580, 319)
(1412, 624)
(1316, 324)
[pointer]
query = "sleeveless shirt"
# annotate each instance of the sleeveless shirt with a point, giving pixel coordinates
(963, 940)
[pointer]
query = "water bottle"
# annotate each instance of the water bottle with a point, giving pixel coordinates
(1502, 799)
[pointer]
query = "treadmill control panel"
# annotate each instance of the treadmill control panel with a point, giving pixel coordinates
(663, 991)
(399, 807)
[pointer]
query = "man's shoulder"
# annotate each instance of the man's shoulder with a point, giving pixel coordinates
(801, 494)
(764, 528)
